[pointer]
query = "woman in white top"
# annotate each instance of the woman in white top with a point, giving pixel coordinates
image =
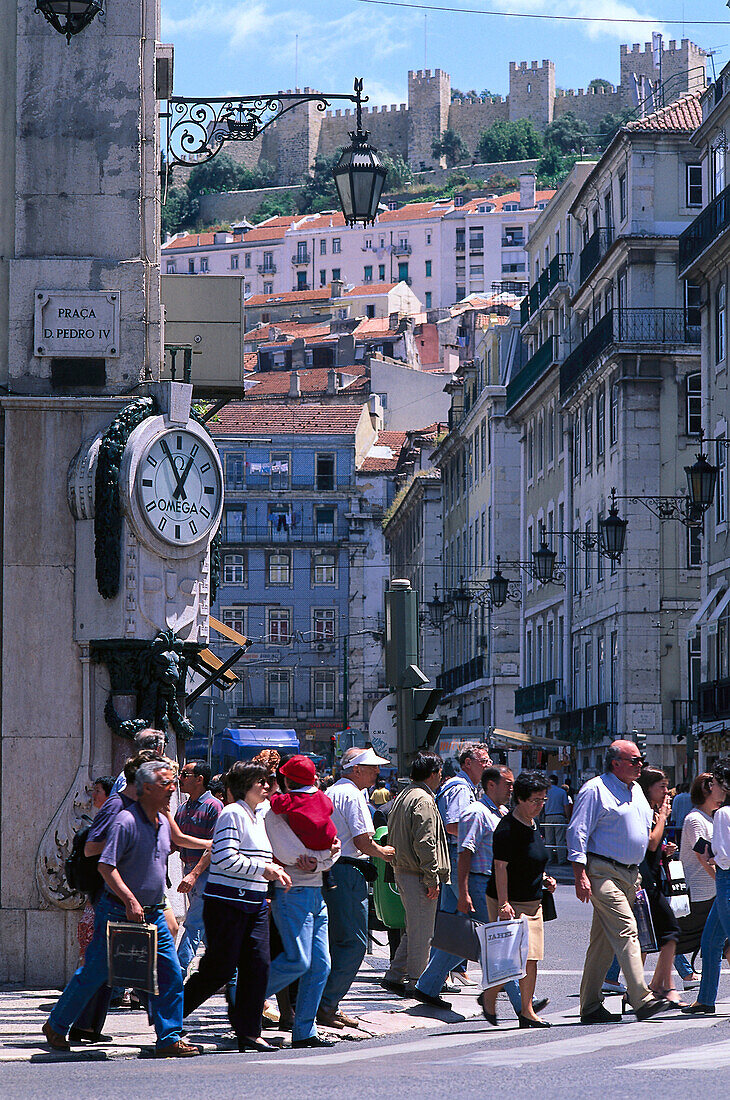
(707, 796)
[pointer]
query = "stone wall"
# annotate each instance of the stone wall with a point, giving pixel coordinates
(232, 206)
(429, 98)
(388, 128)
(469, 117)
(532, 92)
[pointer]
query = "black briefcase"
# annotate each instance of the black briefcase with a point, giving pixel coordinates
(456, 933)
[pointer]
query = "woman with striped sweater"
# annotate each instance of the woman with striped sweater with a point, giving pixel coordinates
(235, 909)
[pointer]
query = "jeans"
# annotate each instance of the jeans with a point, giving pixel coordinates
(714, 936)
(166, 1008)
(347, 907)
(442, 962)
(301, 918)
(239, 939)
(193, 928)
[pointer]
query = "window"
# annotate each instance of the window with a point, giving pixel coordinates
(323, 624)
(721, 491)
(613, 656)
(530, 454)
(234, 263)
(587, 555)
(550, 435)
(171, 268)
(278, 687)
(279, 477)
(528, 658)
(460, 240)
(268, 264)
(323, 248)
(235, 618)
(367, 273)
(720, 323)
(233, 521)
(576, 675)
(614, 413)
(428, 269)
(429, 298)
(336, 245)
(601, 670)
(588, 433)
(576, 445)
(693, 384)
(693, 305)
(323, 276)
(608, 210)
(476, 238)
(324, 692)
(540, 443)
(538, 654)
(191, 267)
(247, 259)
(335, 274)
(601, 423)
(278, 567)
(301, 280)
(622, 205)
(279, 626)
(588, 673)
(325, 472)
(694, 185)
(428, 236)
(484, 446)
(694, 547)
(381, 272)
(550, 650)
(403, 272)
(268, 289)
(599, 556)
(234, 569)
(324, 570)
(718, 171)
(235, 472)
(325, 524)
(370, 312)
(279, 522)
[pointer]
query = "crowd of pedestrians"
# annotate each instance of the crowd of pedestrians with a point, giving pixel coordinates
(277, 864)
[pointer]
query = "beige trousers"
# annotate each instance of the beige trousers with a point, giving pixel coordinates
(613, 932)
(411, 958)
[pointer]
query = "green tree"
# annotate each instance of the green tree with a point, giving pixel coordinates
(553, 167)
(319, 191)
(275, 205)
(568, 134)
(450, 146)
(601, 82)
(399, 172)
(509, 141)
(609, 125)
(180, 211)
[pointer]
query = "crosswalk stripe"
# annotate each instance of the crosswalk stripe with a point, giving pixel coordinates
(714, 1056)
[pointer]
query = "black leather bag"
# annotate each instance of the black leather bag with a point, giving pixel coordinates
(549, 912)
(456, 933)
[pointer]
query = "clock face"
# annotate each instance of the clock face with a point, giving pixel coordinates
(179, 487)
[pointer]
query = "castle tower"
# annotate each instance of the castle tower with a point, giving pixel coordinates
(683, 67)
(429, 98)
(291, 144)
(532, 92)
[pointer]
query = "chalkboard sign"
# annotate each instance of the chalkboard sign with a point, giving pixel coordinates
(132, 955)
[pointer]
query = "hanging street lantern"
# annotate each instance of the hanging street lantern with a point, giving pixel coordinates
(544, 563)
(69, 16)
(498, 587)
(701, 482)
(612, 533)
(436, 609)
(359, 173)
(461, 602)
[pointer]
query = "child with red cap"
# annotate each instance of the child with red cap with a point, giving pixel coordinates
(308, 810)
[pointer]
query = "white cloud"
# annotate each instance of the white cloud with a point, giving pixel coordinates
(624, 30)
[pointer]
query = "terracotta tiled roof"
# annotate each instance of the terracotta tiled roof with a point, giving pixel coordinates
(261, 385)
(411, 210)
(384, 454)
(682, 116)
(250, 361)
(322, 294)
(256, 418)
(374, 328)
(290, 329)
(327, 219)
(368, 288)
(498, 201)
(197, 240)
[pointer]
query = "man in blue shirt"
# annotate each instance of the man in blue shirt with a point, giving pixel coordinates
(608, 836)
(196, 817)
(557, 813)
(452, 800)
(134, 868)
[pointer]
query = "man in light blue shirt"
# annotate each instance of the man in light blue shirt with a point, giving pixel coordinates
(608, 836)
(557, 813)
(455, 796)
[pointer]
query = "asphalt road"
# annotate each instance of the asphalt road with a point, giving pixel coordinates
(671, 1053)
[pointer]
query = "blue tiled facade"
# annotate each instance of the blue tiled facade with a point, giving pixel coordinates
(285, 578)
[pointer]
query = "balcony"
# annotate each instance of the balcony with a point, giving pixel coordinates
(708, 225)
(463, 674)
(302, 286)
(266, 269)
(460, 245)
(593, 252)
(714, 700)
(513, 242)
(324, 483)
(533, 370)
(588, 725)
(654, 327)
(301, 258)
(535, 697)
(270, 535)
(556, 272)
(402, 249)
(683, 714)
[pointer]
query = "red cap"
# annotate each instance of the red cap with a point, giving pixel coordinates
(300, 769)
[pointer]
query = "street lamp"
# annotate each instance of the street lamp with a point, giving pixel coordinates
(359, 173)
(498, 587)
(437, 609)
(612, 532)
(69, 16)
(544, 562)
(461, 602)
(701, 481)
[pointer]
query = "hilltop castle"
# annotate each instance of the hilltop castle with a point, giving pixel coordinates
(409, 129)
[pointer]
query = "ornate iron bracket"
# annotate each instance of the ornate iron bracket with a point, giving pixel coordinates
(665, 508)
(558, 574)
(197, 128)
(482, 596)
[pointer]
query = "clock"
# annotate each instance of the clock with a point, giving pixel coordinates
(178, 486)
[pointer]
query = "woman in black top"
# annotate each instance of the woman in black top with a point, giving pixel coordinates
(516, 884)
(655, 786)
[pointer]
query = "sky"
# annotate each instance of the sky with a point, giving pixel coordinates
(223, 47)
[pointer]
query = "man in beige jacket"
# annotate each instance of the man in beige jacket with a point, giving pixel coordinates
(421, 865)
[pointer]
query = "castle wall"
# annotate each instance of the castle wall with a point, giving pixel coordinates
(683, 66)
(532, 92)
(388, 128)
(469, 117)
(592, 104)
(429, 99)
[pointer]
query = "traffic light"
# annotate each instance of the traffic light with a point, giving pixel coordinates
(418, 731)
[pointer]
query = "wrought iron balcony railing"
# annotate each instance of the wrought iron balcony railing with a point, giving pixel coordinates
(708, 225)
(556, 272)
(536, 697)
(588, 725)
(266, 269)
(533, 370)
(593, 252)
(301, 258)
(467, 673)
(714, 700)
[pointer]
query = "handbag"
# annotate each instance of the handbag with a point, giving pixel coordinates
(457, 934)
(549, 912)
(132, 955)
(504, 950)
(644, 923)
(674, 886)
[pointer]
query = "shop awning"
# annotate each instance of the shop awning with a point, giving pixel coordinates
(702, 610)
(527, 739)
(719, 608)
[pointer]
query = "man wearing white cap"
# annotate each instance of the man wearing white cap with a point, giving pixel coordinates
(347, 898)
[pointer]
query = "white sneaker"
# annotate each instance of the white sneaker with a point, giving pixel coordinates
(613, 987)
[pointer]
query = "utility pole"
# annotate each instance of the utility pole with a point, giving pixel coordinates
(345, 678)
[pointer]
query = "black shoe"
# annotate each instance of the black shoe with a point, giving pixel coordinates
(525, 1022)
(600, 1016)
(490, 1017)
(259, 1045)
(427, 999)
(400, 988)
(538, 1006)
(84, 1035)
(659, 1004)
(312, 1041)
(697, 1010)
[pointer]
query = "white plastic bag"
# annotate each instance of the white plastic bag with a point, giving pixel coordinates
(504, 951)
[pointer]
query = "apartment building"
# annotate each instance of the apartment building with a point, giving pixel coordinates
(704, 258)
(601, 404)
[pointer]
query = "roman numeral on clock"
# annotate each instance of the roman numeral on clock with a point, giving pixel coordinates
(209, 490)
(205, 467)
(161, 524)
(205, 512)
(151, 506)
(152, 461)
(193, 528)
(177, 530)
(147, 482)
(194, 450)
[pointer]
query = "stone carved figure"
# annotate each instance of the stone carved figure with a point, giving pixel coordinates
(154, 671)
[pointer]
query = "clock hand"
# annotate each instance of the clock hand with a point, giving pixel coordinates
(182, 480)
(179, 489)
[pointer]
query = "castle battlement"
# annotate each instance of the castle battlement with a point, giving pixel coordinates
(515, 66)
(566, 93)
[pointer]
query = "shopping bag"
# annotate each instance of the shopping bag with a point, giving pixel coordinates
(503, 951)
(457, 934)
(674, 887)
(644, 923)
(132, 955)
